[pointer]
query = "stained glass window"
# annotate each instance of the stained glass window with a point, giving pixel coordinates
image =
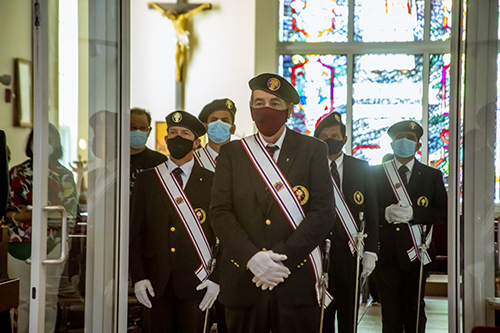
(313, 21)
(439, 106)
(321, 81)
(388, 20)
(440, 20)
(386, 89)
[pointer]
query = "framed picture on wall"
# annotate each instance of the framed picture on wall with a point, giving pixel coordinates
(23, 90)
(160, 132)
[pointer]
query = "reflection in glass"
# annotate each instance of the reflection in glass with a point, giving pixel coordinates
(386, 89)
(388, 20)
(313, 21)
(440, 20)
(321, 81)
(439, 106)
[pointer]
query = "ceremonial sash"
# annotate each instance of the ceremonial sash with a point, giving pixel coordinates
(204, 158)
(348, 221)
(285, 197)
(416, 230)
(188, 217)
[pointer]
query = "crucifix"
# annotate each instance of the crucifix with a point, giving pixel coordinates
(179, 13)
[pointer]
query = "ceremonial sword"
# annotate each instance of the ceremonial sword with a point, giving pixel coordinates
(359, 248)
(324, 281)
(423, 249)
(211, 266)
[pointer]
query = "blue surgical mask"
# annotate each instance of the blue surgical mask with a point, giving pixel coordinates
(218, 131)
(404, 147)
(138, 139)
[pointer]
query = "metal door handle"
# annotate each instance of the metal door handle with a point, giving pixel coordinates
(64, 236)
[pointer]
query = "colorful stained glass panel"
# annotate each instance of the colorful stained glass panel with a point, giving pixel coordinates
(388, 20)
(439, 108)
(387, 88)
(440, 20)
(313, 21)
(321, 81)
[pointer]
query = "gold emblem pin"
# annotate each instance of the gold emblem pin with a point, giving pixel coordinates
(179, 200)
(413, 125)
(337, 118)
(177, 117)
(359, 198)
(301, 193)
(273, 84)
(229, 104)
(423, 201)
(278, 186)
(200, 213)
(398, 185)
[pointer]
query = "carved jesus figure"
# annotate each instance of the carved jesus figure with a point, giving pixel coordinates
(179, 21)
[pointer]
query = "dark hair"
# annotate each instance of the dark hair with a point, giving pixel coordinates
(141, 111)
(56, 143)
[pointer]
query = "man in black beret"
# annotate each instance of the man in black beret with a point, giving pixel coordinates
(218, 118)
(356, 215)
(171, 234)
(272, 206)
(411, 198)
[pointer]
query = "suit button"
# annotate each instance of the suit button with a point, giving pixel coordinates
(298, 266)
(172, 249)
(172, 229)
(268, 222)
(397, 229)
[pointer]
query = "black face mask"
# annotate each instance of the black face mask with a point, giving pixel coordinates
(179, 147)
(334, 146)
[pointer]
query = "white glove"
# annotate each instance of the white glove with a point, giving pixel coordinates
(141, 289)
(211, 294)
(369, 262)
(268, 269)
(398, 213)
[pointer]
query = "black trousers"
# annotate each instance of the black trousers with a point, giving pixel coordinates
(342, 284)
(269, 314)
(171, 314)
(398, 291)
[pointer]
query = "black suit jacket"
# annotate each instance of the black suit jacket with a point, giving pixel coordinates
(155, 229)
(247, 219)
(358, 187)
(429, 202)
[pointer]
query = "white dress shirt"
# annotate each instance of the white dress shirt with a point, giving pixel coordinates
(278, 144)
(186, 170)
(340, 168)
(409, 165)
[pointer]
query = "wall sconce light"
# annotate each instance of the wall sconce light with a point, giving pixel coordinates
(5, 79)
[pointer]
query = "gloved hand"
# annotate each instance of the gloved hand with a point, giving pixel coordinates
(141, 289)
(398, 213)
(369, 262)
(268, 269)
(211, 294)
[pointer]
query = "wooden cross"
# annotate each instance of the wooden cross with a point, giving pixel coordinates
(179, 13)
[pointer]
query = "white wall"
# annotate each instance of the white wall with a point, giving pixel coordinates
(15, 42)
(220, 65)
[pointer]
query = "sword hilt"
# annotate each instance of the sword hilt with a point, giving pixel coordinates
(215, 253)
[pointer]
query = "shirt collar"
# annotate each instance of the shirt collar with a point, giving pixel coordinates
(409, 165)
(186, 167)
(278, 143)
(339, 160)
(211, 151)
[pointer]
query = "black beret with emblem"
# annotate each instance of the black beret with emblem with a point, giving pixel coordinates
(332, 119)
(405, 126)
(276, 85)
(187, 120)
(224, 104)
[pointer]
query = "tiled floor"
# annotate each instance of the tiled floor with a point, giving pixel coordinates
(436, 310)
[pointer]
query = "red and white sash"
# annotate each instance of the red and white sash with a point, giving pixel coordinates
(285, 197)
(204, 158)
(416, 230)
(188, 217)
(348, 221)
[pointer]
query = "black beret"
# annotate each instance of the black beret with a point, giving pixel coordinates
(276, 85)
(187, 120)
(224, 104)
(332, 119)
(405, 126)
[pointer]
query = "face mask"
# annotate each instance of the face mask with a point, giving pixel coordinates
(334, 146)
(138, 139)
(404, 147)
(218, 131)
(179, 147)
(269, 120)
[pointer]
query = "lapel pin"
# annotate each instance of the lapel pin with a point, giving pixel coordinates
(287, 159)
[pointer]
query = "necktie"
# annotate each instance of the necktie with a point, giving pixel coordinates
(271, 149)
(402, 173)
(177, 174)
(335, 173)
